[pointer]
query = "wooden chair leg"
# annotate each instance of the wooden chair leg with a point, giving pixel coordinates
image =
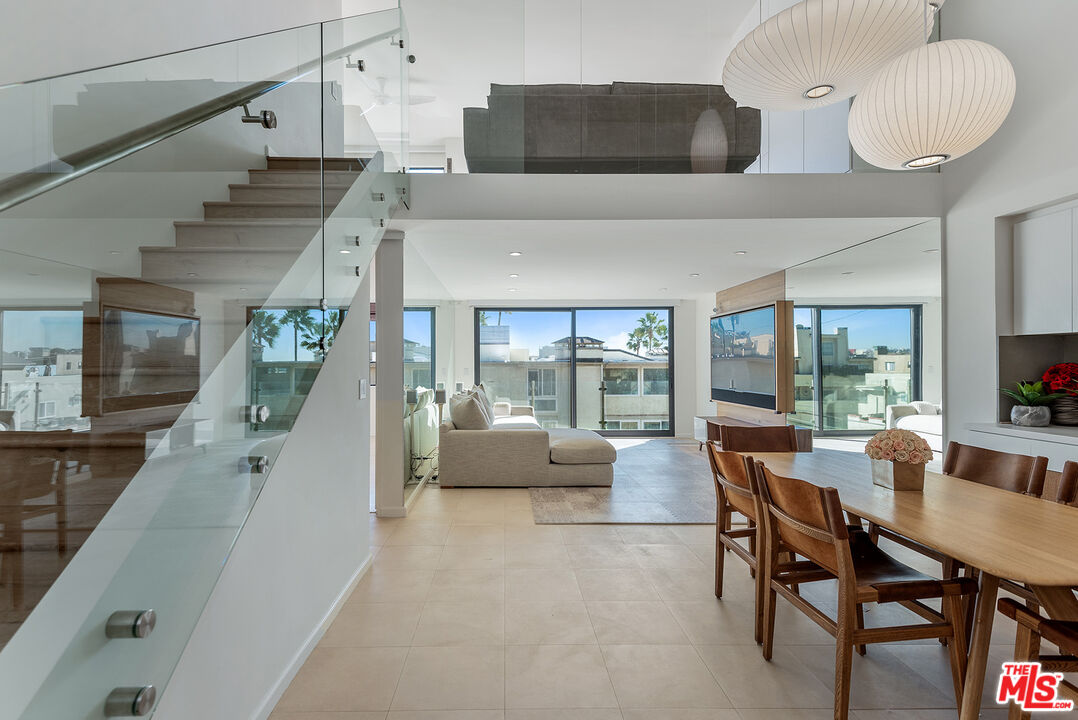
(861, 649)
(720, 555)
(843, 673)
(752, 546)
(953, 613)
(769, 597)
(874, 533)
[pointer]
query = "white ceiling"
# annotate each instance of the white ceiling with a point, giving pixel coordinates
(465, 45)
(622, 259)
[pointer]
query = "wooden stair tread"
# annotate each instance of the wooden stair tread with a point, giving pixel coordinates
(250, 222)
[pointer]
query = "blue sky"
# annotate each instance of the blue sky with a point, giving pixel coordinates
(34, 328)
(867, 327)
(534, 329)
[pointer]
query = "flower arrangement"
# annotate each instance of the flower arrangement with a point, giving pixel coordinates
(1062, 378)
(899, 446)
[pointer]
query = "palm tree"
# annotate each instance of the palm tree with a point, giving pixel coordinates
(636, 340)
(483, 318)
(312, 334)
(653, 332)
(264, 329)
(503, 312)
(301, 322)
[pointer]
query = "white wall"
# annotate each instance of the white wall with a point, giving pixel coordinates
(1031, 161)
(43, 39)
(303, 545)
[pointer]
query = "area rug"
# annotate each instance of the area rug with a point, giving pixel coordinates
(657, 481)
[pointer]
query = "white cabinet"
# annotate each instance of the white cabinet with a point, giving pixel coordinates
(1044, 274)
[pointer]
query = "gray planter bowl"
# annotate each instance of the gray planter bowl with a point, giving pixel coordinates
(1031, 415)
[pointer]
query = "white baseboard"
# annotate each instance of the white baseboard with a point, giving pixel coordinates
(274, 695)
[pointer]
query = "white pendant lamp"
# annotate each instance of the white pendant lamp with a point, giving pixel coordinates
(821, 51)
(931, 105)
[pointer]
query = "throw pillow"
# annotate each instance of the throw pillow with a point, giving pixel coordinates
(467, 412)
(503, 409)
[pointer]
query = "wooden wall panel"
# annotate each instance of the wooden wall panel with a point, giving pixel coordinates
(755, 293)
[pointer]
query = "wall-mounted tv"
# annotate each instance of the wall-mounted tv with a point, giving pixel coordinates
(147, 359)
(743, 358)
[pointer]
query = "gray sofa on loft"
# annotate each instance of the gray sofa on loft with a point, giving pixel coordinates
(618, 128)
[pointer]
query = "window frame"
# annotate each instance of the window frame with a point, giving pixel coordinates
(572, 311)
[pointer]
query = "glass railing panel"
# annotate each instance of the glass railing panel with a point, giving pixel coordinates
(150, 314)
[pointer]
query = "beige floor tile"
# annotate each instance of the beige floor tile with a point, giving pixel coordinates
(392, 586)
(548, 623)
(476, 535)
(696, 534)
(715, 622)
(419, 534)
(536, 556)
(556, 676)
(541, 586)
(519, 517)
(601, 556)
(880, 679)
(790, 714)
(563, 714)
(666, 556)
(635, 623)
(345, 679)
(533, 535)
(932, 663)
(706, 553)
(905, 714)
(480, 516)
(615, 585)
(443, 715)
(408, 557)
(372, 625)
(648, 535)
(752, 682)
(662, 676)
(471, 623)
(679, 584)
(467, 586)
(472, 557)
(590, 534)
(679, 714)
(452, 678)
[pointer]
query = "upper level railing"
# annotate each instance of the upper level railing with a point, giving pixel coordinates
(172, 276)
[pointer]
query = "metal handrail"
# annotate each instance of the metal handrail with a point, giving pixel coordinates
(29, 184)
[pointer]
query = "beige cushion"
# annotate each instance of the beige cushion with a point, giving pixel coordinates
(512, 421)
(502, 409)
(468, 413)
(579, 447)
(484, 397)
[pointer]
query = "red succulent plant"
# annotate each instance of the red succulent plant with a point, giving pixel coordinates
(1062, 378)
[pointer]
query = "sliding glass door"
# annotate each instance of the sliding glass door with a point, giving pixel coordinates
(419, 333)
(605, 369)
(852, 362)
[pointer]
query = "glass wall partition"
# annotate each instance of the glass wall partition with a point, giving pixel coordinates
(605, 369)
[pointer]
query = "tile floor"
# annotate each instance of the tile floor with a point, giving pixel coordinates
(471, 611)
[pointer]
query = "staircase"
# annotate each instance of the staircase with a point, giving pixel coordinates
(245, 245)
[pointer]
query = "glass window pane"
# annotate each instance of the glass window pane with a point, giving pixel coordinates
(524, 360)
(418, 348)
(628, 349)
(867, 364)
(41, 375)
(804, 414)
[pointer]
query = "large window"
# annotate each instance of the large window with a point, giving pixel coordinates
(41, 369)
(419, 334)
(850, 363)
(607, 369)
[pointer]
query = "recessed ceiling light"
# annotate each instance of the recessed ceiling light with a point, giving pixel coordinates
(243, 289)
(848, 272)
(930, 250)
(694, 274)
(512, 289)
(819, 91)
(741, 252)
(34, 274)
(513, 275)
(345, 252)
(662, 289)
(114, 252)
(192, 274)
(515, 253)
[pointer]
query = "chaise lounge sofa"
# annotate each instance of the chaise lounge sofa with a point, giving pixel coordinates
(516, 452)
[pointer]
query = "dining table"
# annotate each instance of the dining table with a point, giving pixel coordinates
(1003, 534)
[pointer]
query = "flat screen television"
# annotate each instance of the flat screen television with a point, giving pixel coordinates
(148, 359)
(743, 358)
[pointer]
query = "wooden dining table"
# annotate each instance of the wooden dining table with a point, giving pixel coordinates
(1003, 534)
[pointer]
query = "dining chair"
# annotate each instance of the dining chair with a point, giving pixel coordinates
(1032, 627)
(809, 520)
(758, 438)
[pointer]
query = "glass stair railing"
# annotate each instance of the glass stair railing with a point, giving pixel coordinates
(181, 239)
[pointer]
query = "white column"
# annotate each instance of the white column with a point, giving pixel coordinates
(389, 460)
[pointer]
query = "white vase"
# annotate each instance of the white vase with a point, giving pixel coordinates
(710, 146)
(1031, 415)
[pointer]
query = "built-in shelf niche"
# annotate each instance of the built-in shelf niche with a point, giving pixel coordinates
(1026, 357)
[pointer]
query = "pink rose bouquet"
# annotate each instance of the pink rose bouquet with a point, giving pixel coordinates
(900, 446)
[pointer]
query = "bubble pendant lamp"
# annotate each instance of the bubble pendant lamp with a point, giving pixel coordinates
(819, 52)
(931, 105)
